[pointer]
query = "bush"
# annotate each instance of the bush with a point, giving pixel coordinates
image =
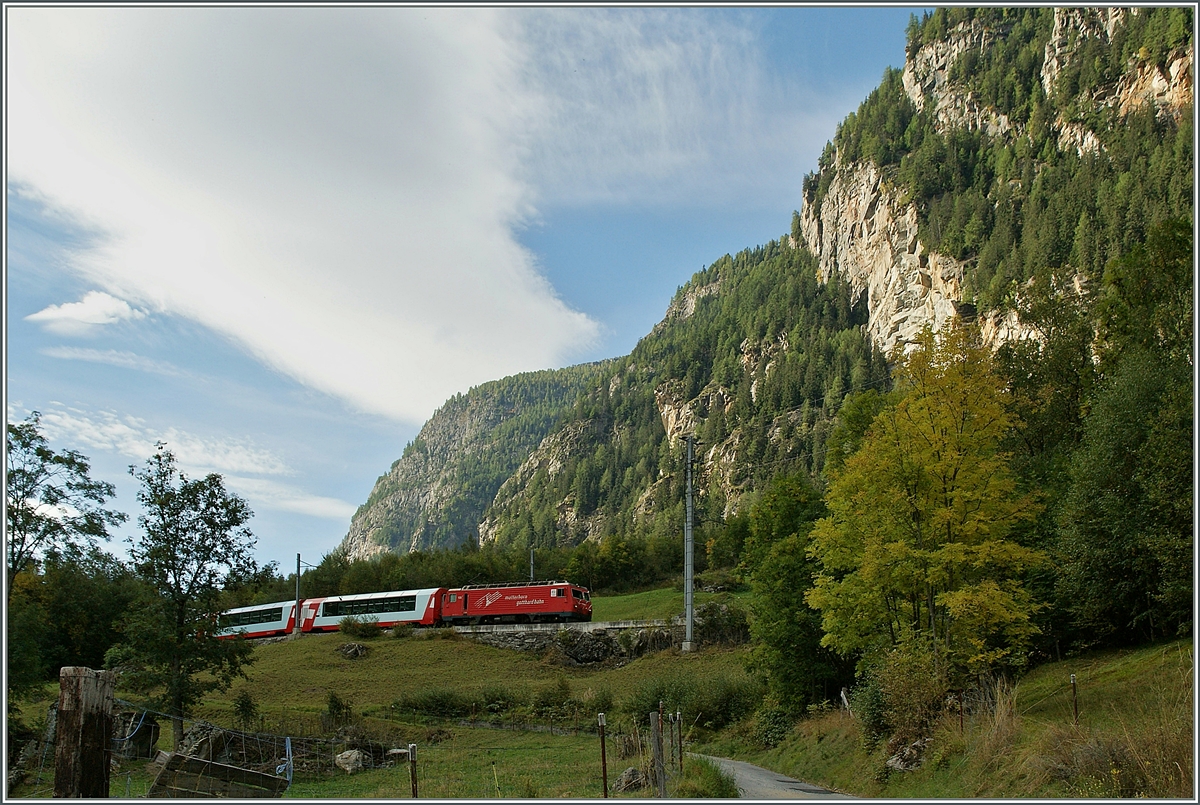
(434, 703)
(337, 709)
(914, 690)
(866, 702)
(245, 710)
(362, 628)
(721, 622)
(496, 699)
(553, 699)
(402, 630)
(772, 724)
(715, 702)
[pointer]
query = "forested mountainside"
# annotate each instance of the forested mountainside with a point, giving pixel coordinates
(1018, 150)
(1014, 141)
(434, 494)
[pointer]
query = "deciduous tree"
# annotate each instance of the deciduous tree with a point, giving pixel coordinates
(917, 545)
(193, 542)
(52, 500)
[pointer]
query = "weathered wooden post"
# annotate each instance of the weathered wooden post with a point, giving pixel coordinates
(84, 733)
(679, 728)
(656, 748)
(1074, 700)
(412, 767)
(603, 755)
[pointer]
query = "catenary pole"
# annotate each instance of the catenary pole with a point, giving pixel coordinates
(688, 549)
(296, 626)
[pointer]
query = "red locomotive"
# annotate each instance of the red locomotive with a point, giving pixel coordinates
(534, 602)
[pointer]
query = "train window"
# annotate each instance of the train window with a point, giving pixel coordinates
(453, 597)
(576, 594)
(370, 606)
(249, 618)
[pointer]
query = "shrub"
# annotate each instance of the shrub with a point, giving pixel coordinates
(362, 628)
(598, 700)
(866, 702)
(434, 703)
(245, 710)
(714, 701)
(402, 630)
(772, 724)
(914, 689)
(497, 699)
(337, 709)
(550, 700)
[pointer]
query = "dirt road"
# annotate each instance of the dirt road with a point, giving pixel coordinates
(755, 782)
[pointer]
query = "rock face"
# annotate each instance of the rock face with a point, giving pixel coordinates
(434, 495)
(866, 235)
(864, 231)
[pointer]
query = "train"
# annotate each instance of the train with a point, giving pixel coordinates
(472, 604)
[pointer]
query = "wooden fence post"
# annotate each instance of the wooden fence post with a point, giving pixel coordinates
(412, 767)
(603, 755)
(656, 748)
(84, 733)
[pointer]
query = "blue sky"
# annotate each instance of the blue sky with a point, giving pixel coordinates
(277, 239)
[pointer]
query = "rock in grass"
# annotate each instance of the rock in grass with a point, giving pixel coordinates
(352, 651)
(631, 779)
(351, 761)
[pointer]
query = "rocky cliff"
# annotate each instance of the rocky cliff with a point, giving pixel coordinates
(434, 495)
(864, 228)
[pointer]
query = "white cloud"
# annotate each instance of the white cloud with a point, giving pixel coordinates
(133, 438)
(663, 105)
(112, 357)
(338, 189)
(269, 494)
(79, 318)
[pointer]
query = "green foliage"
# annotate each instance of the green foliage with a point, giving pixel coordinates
(917, 545)
(552, 699)
(51, 500)
(504, 420)
(363, 628)
(338, 710)
(712, 703)
(245, 710)
(1015, 205)
(772, 724)
(705, 780)
(193, 540)
(1122, 576)
(435, 703)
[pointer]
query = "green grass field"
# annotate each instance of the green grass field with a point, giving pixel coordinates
(1135, 732)
(1134, 738)
(660, 604)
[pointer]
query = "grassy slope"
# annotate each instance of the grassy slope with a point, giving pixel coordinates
(661, 604)
(1135, 737)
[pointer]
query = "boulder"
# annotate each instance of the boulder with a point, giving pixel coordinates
(352, 651)
(631, 779)
(352, 760)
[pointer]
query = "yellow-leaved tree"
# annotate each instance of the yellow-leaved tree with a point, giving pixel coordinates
(916, 550)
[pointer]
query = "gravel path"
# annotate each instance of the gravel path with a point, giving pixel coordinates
(755, 782)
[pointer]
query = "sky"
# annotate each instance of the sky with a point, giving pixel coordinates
(277, 239)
